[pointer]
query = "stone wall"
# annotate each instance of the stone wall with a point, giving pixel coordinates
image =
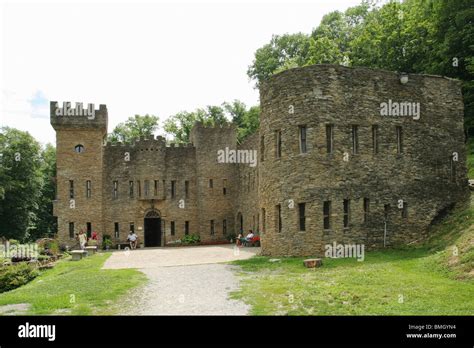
(421, 176)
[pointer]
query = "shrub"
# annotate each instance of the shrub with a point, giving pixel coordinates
(190, 239)
(14, 276)
(231, 237)
(13, 242)
(106, 241)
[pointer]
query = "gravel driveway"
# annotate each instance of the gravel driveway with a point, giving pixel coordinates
(183, 281)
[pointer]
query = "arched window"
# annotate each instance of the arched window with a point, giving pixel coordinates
(79, 148)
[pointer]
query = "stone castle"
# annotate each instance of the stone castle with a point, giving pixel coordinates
(346, 155)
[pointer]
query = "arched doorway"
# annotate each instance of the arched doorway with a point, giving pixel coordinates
(152, 229)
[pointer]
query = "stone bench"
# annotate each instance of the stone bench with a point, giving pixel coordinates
(78, 254)
(91, 250)
(312, 263)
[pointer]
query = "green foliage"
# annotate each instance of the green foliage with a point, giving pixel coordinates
(190, 239)
(283, 51)
(20, 182)
(246, 120)
(134, 128)
(16, 275)
(106, 241)
(96, 290)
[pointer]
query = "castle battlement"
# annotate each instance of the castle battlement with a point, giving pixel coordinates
(67, 115)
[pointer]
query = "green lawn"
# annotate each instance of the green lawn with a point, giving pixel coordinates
(430, 279)
(76, 287)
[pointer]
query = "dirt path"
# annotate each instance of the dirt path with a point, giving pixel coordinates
(183, 281)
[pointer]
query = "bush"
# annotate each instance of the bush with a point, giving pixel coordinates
(190, 239)
(13, 242)
(106, 241)
(14, 276)
(231, 237)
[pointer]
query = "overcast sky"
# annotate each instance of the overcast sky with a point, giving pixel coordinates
(149, 57)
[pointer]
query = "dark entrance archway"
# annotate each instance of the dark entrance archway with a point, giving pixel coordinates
(152, 226)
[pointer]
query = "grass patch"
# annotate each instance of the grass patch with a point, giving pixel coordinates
(78, 288)
(470, 158)
(436, 278)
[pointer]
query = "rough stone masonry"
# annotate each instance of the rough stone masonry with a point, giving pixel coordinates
(344, 155)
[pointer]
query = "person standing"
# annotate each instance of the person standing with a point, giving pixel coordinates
(82, 239)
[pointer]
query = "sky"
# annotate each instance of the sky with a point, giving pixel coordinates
(148, 57)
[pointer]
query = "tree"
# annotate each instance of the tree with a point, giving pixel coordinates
(134, 128)
(283, 52)
(21, 182)
(45, 224)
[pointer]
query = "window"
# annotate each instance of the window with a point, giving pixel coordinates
(139, 189)
(211, 183)
(327, 215)
(399, 140)
(172, 226)
(146, 188)
(329, 138)
(375, 139)
(130, 189)
(277, 144)
(186, 227)
(405, 210)
(89, 230)
(224, 227)
(116, 230)
(71, 230)
(71, 189)
(452, 166)
(224, 186)
(88, 189)
(302, 135)
(262, 148)
(212, 228)
(386, 211)
(355, 140)
(164, 189)
(155, 189)
(79, 148)
(186, 189)
(366, 209)
(132, 227)
(115, 189)
(264, 226)
(302, 216)
(278, 217)
(346, 211)
(173, 188)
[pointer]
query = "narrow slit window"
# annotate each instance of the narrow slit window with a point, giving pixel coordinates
(375, 139)
(186, 189)
(88, 189)
(264, 225)
(405, 210)
(147, 188)
(71, 189)
(139, 190)
(399, 139)
(278, 217)
(355, 139)
(366, 209)
(212, 228)
(346, 210)
(302, 216)
(173, 188)
(211, 183)
(155, 188)
(224, 227)
(173, 228)
(186, 228)
(329, 138)
(71, 230)
(89, 229)
(277, 144)
(115, 189)
(327, 215)
(116, 230)
(262, 148)
(224, 186)
(130, 189)
(302, 135)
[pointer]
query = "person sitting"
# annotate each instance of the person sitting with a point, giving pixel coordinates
(238, 240)
(132, 238)
(247, 238)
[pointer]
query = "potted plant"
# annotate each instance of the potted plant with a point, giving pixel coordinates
(107, 242)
